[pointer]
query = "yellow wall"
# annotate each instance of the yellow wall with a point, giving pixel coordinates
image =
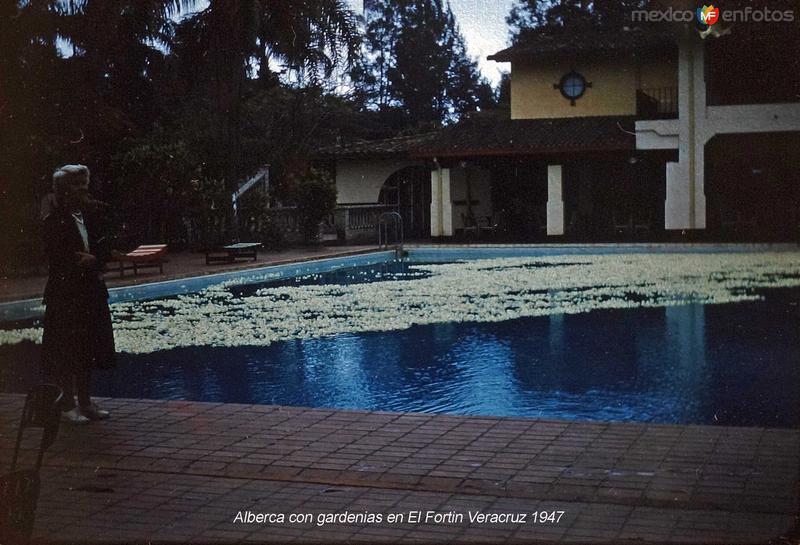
(659, 74)
(613, 91)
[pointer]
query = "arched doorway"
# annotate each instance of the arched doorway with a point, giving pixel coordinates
(409, 191)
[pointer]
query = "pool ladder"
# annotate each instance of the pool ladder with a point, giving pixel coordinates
(383, 233)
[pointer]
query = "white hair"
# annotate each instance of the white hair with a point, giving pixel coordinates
(65, 176)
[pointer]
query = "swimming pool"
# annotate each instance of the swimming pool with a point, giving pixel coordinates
(680, 337)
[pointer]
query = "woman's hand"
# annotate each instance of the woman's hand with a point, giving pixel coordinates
(86, 261)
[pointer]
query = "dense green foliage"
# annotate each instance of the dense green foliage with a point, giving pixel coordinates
(314, 193)
(531, 17)
(169, 113)
(416, 69)
(172, 104)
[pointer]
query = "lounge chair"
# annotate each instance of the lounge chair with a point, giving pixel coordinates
(728, 219)
(471, 228)
(540, 219)
(573, 227)
(486, 226)
(623, 223)
(145, 256)
(737, 221)
(641, 224)
(231, 252)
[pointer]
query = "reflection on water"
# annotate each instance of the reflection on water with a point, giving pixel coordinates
(345, 276)
(732, 364)
(685, 332)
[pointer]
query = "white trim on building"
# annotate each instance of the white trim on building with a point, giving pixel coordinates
(697, 123)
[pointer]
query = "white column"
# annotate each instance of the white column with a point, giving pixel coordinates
(447, 204)
(676, 205)
(699, 185)
(436, 200)
(685, 205)
(555, 201)
(441, 205)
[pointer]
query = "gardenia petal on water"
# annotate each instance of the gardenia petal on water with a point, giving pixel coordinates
(473, 291)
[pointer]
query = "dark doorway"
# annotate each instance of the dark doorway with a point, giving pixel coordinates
(605, 198)
(615, 198)
(519, 198)
(409, 191)
(752, 186)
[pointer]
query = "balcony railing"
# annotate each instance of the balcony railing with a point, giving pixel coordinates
(361, 217)
(657, 103)
(357, 222)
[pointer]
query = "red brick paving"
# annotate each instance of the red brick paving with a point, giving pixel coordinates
(180, 471)
(181, 265)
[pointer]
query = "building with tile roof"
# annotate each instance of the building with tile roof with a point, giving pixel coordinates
(624, 135)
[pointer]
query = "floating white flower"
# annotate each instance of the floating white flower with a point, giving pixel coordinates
(476, 291)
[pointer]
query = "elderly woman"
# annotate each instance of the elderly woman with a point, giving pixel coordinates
(77, 323)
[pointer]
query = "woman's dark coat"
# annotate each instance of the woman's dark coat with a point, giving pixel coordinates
(77, 321)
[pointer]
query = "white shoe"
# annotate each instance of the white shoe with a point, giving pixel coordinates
(74, 416)
(93, 412)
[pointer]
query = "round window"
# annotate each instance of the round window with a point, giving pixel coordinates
(572, 85)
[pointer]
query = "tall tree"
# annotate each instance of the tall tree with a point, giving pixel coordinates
(118, 85)
(74, 79)
(416, 61)
(27, 55)
(234, 38)
(530, 17)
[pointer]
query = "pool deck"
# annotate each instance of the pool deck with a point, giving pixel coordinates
(181, 471)
(192, 264)
(182, 265)
(178, 471)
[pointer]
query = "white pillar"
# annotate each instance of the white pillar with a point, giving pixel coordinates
(685, 205)
(555, 201)
(676, 205)
(436, 201)
(441, 205)
(699, 186)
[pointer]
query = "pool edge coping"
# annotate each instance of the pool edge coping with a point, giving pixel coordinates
(29, 308)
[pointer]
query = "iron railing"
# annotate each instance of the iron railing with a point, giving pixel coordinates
(362, 217)
(657, 103)
(395, 219)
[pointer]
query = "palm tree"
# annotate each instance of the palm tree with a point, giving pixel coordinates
(314, 35)
(75, 80)
(116, 46)
(236, 38)
(86, 74)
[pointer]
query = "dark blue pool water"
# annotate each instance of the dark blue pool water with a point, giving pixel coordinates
(731, 364)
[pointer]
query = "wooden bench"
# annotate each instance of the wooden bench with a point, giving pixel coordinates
(144, 256)
(232, 252)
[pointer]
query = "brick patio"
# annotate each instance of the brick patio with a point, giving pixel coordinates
(181, 471)
(181, 265)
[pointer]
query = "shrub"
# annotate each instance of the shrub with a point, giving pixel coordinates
(314, 193)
